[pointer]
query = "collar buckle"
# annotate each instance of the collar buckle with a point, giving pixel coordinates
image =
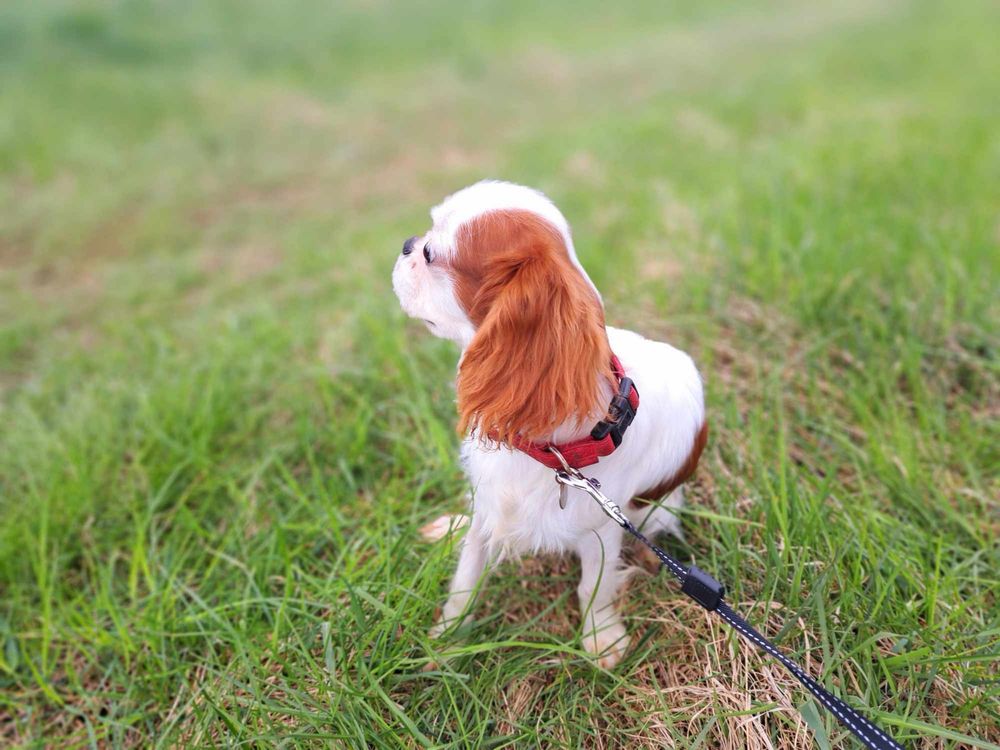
(620, 413)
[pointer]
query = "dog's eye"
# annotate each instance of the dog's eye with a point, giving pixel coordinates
(428, 255)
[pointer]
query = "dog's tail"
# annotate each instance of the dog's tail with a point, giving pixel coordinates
(443, 526)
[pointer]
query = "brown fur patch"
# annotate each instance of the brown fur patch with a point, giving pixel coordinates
(681, 475)
(541, 349)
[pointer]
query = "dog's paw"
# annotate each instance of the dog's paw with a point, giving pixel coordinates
(608, 644)
(431, 666)
(444, 625)
(442, 526)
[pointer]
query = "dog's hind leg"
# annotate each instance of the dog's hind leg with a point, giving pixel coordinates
(654, 518)
(659, 516)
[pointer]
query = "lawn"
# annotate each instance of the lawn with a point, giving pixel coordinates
(219, 435)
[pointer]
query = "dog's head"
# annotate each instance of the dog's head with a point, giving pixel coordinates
(497, 273)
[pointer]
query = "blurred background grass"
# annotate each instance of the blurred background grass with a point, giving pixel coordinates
(218, 435)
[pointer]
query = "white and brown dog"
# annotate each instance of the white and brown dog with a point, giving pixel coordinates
(497, 274)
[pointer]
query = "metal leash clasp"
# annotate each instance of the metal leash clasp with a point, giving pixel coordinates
(571, 477)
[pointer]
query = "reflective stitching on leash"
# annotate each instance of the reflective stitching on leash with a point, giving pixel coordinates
(709, 593)
(834, 704)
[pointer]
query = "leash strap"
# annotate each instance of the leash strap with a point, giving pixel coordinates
(709, 593)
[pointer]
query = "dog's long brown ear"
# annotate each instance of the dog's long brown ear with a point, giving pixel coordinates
(541, 349)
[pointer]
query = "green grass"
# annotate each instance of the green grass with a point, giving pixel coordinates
(218, 435)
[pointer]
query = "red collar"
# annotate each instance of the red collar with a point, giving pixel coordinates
(603, 439)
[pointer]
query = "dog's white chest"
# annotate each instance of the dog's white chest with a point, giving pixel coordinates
(523, 519)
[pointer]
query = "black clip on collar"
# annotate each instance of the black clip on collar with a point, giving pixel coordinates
(621, 415)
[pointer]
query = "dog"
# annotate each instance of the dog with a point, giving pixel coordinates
(497, 274)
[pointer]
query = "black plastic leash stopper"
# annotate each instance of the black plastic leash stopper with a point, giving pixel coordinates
(704, 589)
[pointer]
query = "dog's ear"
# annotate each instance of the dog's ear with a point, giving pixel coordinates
(540, 351)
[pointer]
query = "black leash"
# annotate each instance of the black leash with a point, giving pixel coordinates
(709, 593)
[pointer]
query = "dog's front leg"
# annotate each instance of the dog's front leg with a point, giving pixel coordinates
(471, 565)
(600, 576)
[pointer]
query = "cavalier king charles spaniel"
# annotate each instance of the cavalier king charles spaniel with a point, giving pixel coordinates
(497, 274)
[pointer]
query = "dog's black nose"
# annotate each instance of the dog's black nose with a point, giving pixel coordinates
(408, 245)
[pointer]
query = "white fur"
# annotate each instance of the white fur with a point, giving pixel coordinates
(426, 292)
(514, 505)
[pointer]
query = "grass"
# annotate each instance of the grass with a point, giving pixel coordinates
(218, 435)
